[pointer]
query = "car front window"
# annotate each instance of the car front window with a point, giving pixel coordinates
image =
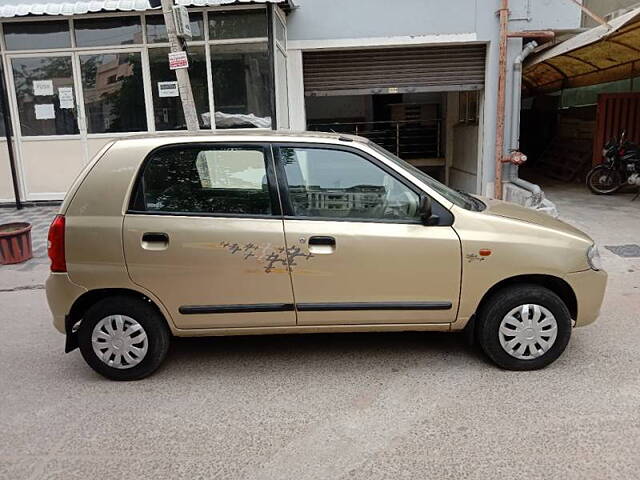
(458, 198)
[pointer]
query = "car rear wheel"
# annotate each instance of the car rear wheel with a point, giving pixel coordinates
(123, 338)
(524, 327)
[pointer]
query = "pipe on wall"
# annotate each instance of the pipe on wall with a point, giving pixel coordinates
(515, 118)
(516, 93)
(535, 190)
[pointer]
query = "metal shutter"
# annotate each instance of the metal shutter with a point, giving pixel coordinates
(394, 70)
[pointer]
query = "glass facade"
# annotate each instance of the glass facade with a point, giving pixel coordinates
(37, 35)
(113, 92)
(157, 32)
(238, 24)
(108, 31)
(167, 106)
(40, 83)
(110, 74)
(242, 85)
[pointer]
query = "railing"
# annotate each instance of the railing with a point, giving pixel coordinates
(407, 139)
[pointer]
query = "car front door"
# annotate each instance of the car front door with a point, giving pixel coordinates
(358, 251)
(204, 234)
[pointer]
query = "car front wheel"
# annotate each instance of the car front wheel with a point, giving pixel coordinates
(524, 327)
(123, 338)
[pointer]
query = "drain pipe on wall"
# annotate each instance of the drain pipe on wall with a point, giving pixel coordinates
(538, 201)
(515, 157)
(512, 172)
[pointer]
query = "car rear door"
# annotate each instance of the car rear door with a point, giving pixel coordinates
(359, 253)
(204, 234)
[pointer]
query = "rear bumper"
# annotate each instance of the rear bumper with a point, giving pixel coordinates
(61, 294)
(589, 287)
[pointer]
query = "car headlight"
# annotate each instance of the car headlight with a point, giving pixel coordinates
(593, 257)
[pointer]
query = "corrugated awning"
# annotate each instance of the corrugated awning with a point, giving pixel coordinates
(602, 54)
(9, 10)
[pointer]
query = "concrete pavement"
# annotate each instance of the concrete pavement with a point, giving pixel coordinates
(367, 406)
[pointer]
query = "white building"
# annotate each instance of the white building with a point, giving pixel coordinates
(418, 76)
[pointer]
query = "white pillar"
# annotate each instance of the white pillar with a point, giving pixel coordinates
(295, 80)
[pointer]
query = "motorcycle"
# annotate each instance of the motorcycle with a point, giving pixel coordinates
(621, 166)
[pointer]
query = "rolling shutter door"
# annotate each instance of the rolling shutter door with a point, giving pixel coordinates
(394, 70)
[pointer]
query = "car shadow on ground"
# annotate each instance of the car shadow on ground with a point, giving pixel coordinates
(346, 350)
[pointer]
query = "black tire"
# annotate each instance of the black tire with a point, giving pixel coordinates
(614, 180)
(154, 325)
(500, 304)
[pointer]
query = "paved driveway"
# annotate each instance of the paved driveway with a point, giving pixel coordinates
(366, 406)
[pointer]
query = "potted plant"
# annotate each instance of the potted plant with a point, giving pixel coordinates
(15, 243)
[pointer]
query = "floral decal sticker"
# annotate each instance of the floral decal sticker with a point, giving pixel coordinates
(267, 255)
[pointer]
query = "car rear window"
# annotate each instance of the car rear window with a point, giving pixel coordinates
(204, 180)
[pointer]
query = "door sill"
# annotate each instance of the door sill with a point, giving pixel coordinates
(295, 329)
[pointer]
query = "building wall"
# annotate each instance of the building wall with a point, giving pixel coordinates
(340, 19)
(602, 8)
(318, 24)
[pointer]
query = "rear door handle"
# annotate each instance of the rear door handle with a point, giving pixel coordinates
(325, 241)
(155, 241)
(322, 245)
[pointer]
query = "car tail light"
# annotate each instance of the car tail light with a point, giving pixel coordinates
(55, 245)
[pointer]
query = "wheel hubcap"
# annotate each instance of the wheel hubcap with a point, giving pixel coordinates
(528, 331)
(119, 341)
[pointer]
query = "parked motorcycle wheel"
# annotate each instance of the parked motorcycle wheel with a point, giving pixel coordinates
(603, 180)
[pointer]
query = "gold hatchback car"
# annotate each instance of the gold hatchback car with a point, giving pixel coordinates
(265, 233)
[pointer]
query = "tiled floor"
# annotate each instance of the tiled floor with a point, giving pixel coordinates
(40, 218)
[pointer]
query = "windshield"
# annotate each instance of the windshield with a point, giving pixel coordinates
(457, 197)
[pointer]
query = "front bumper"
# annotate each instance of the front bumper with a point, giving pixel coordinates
(589, 287)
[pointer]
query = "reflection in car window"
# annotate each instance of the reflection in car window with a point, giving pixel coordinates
(339, 184)
(205, 180)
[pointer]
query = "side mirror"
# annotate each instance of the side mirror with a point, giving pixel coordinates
(426, 214)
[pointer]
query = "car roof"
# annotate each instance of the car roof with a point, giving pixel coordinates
(160, 138)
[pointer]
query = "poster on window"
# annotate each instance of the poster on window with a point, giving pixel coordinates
(42, 88)
(168, 89)
(65, 94)
(45, 111)
(178, 60)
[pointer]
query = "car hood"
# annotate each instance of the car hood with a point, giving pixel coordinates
(528, 215)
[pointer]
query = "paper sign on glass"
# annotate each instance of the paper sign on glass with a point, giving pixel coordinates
(168, 89)
(65, 94)
(42, 87)
(45, 112)
(178, 60)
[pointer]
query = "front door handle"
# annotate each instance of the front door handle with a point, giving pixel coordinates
(322, 245)
(155, 241)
